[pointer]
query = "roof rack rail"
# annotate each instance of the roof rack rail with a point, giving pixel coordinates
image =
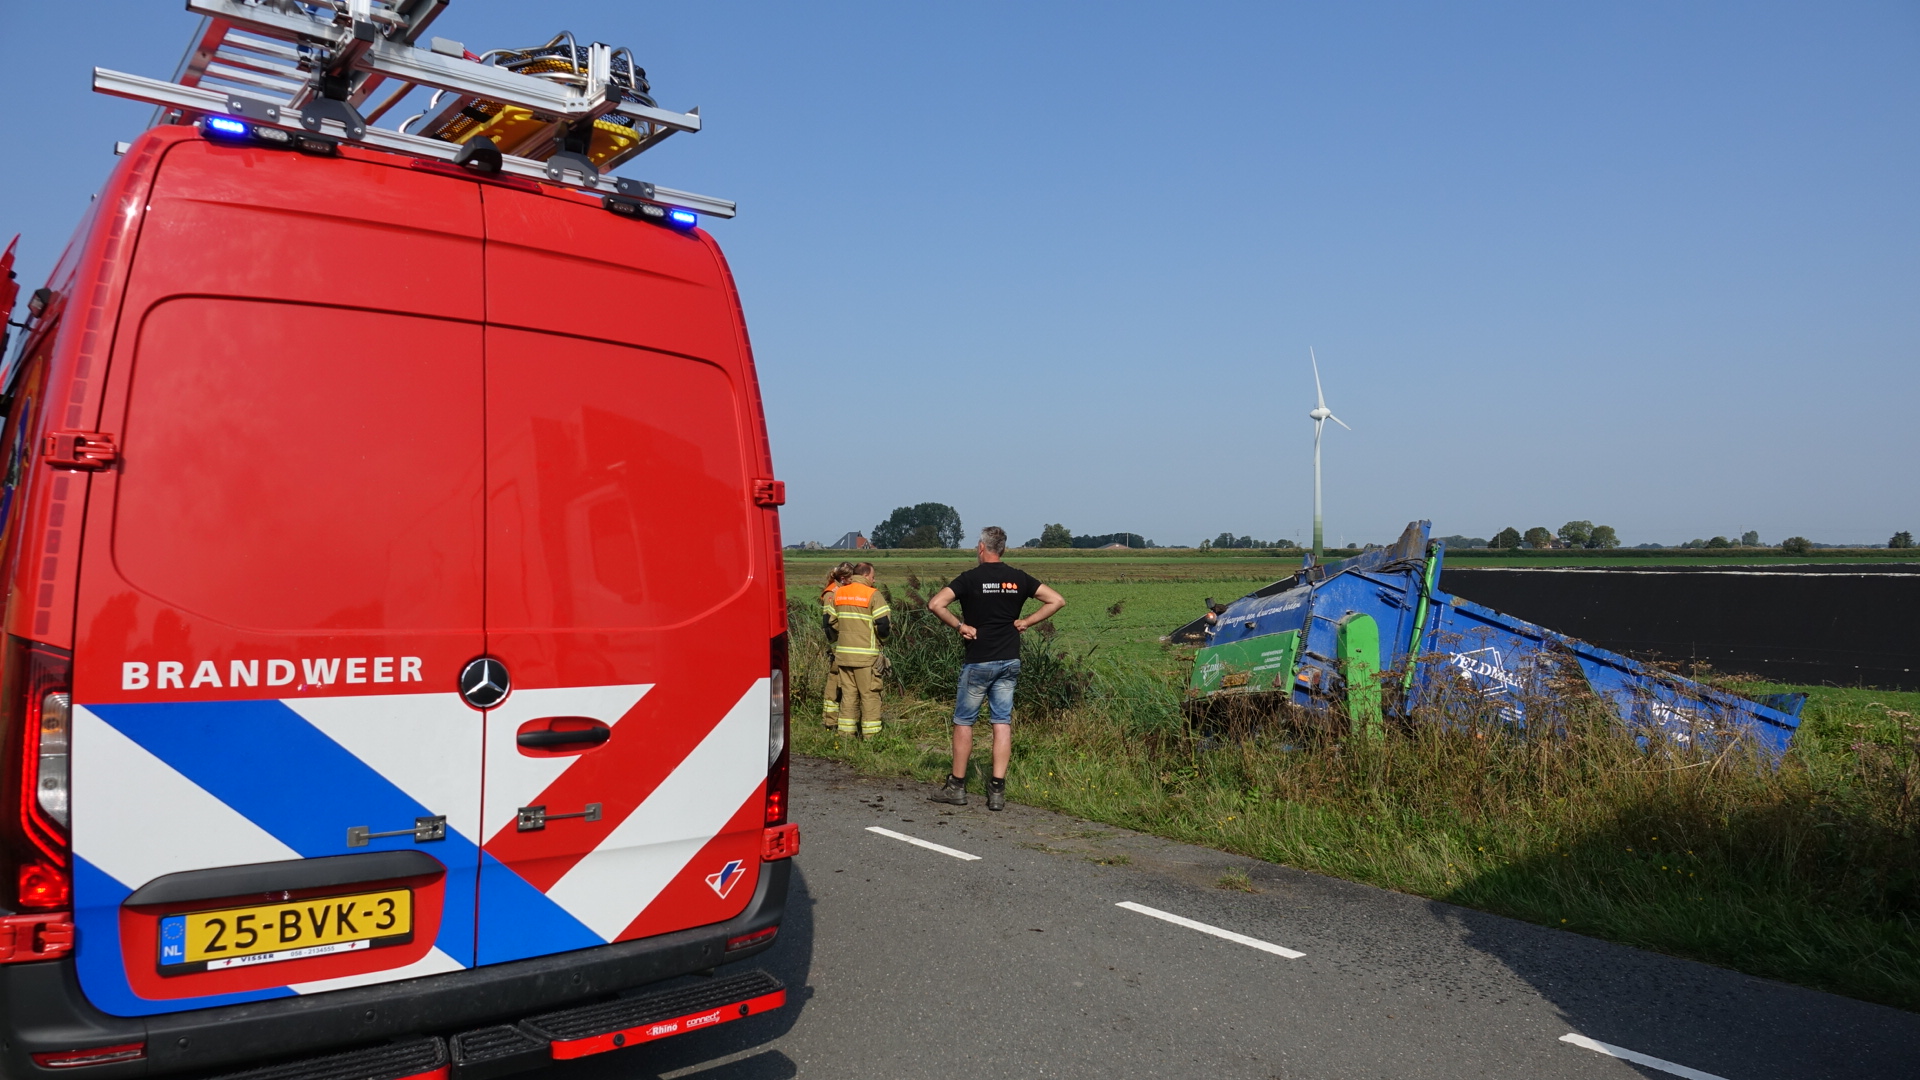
(560, 112)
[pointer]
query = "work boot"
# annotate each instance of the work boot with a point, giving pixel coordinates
(953, 791)
(997, 793)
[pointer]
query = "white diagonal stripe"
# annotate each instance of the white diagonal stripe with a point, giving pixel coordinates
(434, 963)
(1191, 924)
(427, 745)
(137, 818)
(928, 844)
(514, 779)
(1636, 1057)
(643, 854)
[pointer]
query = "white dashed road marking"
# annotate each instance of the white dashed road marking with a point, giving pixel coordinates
(1582, 1041)
(1637, 1057)
(1250, 942)
(928, 844)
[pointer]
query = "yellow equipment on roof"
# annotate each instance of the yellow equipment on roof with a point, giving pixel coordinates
(525, 133)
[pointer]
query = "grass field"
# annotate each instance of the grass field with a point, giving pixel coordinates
(1057, 569)
(1116, 607)
(1808, 873)
(1119, 604)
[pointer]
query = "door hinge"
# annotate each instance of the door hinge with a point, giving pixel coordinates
(780, 842)
(425, 829)
(35, 937)
(769, 493)
(535, 818)
(80, 450)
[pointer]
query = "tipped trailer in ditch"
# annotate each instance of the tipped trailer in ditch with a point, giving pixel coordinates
(1376, 635)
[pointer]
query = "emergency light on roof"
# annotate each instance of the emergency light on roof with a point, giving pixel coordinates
(672, 216)
(227, 129)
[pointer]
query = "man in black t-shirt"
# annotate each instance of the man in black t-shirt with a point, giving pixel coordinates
(990, 595)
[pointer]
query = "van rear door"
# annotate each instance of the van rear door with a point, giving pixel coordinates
(276, 785)
(621, 593)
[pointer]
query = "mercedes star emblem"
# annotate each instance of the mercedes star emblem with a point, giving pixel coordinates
(484, 683)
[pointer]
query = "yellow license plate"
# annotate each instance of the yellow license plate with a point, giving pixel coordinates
(290, 930)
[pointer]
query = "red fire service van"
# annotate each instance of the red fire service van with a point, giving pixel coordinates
(394, 660)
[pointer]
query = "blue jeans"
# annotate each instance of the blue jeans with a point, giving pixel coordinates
(992, 682)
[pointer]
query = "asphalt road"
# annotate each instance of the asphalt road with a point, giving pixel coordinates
(902, 962)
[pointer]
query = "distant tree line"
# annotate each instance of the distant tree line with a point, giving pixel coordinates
(928, 525)
(1059, 536)
(937, 525)
(1574, 534)
(1800, 545)
(1228, 540)
(1722, 542)
(1585, 534)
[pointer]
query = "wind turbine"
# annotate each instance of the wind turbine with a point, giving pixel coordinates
(1321, 414)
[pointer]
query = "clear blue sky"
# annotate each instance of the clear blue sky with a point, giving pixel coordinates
(1651, 264)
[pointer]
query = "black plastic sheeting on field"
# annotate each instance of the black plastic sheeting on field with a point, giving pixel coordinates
(1836, 625)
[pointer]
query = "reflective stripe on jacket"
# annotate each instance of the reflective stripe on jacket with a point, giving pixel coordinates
(826, 612)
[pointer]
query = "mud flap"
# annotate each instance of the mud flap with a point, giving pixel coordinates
(1360, 665)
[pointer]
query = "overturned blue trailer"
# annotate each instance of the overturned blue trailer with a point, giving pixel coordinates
(1376, 635)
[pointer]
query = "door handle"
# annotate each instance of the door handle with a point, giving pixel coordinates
(557, 736)
(547, 737)
(424, 829)
(535, 818)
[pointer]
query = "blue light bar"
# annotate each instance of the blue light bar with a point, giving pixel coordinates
(227, 126)
(685, 219)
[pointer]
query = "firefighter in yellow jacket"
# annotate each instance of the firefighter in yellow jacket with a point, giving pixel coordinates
(838, 576)
(857, 624)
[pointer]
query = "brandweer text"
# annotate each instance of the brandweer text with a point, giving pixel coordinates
(172, 674)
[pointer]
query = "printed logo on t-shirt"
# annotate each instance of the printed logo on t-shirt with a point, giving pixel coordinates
(998, 587)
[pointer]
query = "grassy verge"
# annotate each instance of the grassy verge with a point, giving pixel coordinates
(1809, 872)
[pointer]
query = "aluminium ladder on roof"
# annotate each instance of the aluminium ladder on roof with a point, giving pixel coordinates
(226, 52)
(311, 66)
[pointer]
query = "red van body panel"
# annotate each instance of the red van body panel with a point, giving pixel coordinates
(297, 513)
(538, 252)
(622, 549)
(87, 283)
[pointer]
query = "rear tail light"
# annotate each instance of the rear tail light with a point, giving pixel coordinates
(777, 733)
(776, 716)
(43, 886)
(50, 790)
(37, 705)
(99, 1055)
(735, 944)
